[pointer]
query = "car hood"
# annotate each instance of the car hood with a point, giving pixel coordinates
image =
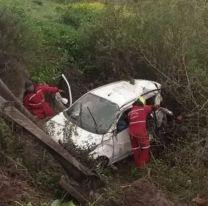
(63, 130)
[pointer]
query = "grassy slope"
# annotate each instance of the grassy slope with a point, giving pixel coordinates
(45, 19)
(43, 14)
(43, 11)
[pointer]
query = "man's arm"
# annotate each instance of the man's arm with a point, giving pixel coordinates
(49, 89)
(150, 108)
(27, 103)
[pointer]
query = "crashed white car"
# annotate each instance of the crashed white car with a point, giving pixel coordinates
(99, 119)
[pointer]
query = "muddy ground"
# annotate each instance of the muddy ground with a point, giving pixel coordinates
(144, 193)
(139, 193)
(16, 188)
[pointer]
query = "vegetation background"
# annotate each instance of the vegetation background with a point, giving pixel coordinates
(96, 42)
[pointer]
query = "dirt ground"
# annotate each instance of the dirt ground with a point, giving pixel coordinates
(14, 187)
(139, 193)
(26, 169)
(143, 193)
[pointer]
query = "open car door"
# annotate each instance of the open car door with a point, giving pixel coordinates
(121, 139)
(65, 98)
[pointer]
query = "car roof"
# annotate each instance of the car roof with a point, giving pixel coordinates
(123, 92)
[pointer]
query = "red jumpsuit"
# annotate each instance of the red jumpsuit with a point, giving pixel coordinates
(139, 135)
(35, 101)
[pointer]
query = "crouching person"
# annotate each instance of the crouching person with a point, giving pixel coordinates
(34, 99)
(138, 132)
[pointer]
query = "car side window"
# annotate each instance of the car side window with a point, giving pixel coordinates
(123, 122)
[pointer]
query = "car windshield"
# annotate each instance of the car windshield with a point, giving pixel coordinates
(93, 113)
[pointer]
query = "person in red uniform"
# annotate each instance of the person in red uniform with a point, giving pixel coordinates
(138, 132)
(34, 99)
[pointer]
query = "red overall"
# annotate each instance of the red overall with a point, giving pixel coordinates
(139, 135)
(35, 101)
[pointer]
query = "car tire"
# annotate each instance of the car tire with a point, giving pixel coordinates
(100, 164)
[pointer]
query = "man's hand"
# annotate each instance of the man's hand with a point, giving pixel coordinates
(61, 91)
(155, 107)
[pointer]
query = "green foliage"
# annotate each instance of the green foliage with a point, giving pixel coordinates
(78, 14)
(147, 39)
(161, 40)
(38, 33)
(107, 49)
(61, 203)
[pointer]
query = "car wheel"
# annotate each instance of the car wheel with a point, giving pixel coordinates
(100, 164)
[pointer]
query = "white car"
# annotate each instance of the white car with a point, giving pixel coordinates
(98, 120)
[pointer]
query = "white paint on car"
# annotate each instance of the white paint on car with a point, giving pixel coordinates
(113, 145)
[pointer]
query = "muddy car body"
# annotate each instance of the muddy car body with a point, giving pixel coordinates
(98, 120)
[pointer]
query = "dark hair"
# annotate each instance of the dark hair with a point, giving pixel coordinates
(28, 84)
